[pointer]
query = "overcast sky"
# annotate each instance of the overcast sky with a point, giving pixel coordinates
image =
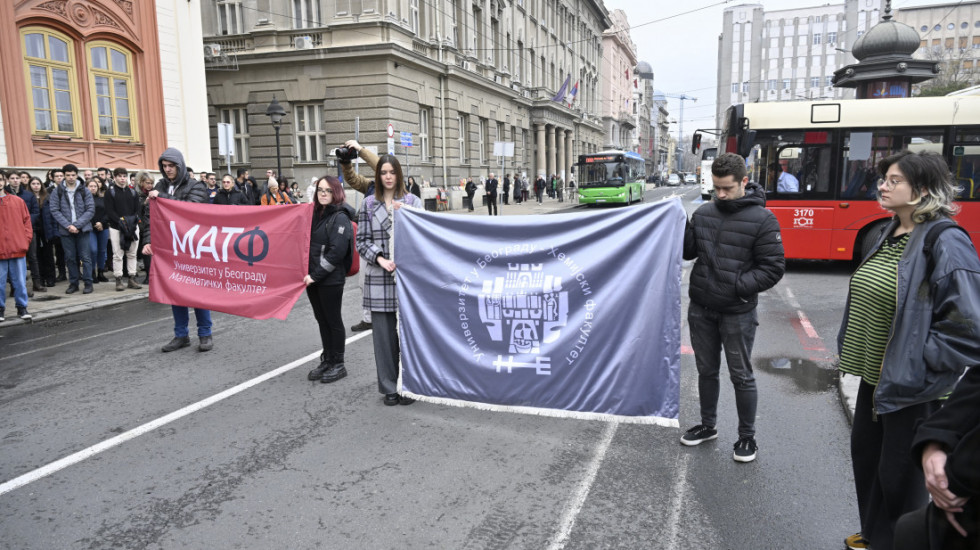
(680, 41)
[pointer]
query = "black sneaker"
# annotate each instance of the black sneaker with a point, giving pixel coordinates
(2, 318)
(23, 313)
(698, 435)
(360, 326)
(745, 449)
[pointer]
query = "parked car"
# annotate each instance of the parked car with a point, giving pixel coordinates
(690, 178)
(673, 180)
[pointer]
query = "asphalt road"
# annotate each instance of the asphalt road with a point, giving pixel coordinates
(286, 463)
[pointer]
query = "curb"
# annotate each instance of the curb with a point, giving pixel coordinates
(76, 308)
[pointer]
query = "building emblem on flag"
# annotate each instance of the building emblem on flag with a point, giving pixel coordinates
(526, 309)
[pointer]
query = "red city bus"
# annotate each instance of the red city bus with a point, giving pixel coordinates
(831, 150)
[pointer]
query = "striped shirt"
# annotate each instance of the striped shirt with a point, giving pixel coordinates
(874, 290)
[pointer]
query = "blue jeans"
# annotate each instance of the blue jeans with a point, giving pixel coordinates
(711, 332)
(182, 317)
(16, 269)
(78, 247)
(98, 250)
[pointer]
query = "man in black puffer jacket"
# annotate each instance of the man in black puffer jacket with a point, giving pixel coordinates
(739, 254)
(176, 184)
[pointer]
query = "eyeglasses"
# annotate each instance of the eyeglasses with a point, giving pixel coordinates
(324, 191)
(889, 185)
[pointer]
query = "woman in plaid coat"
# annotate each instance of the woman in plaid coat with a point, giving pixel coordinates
(375, 224)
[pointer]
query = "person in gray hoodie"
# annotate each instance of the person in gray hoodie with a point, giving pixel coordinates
(176, 184)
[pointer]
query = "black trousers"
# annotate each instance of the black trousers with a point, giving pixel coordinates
(326, 302)
(506, 194)
(887, 479)
(32, 259)
(492, 203)
(45, 260)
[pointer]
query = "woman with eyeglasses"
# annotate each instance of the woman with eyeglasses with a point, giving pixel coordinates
(910, 327)
(331, 255)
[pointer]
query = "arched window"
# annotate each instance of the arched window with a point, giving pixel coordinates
(111, 82)
(52, 96)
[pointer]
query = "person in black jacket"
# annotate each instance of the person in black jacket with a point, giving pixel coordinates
(470, 189)
(491, 189)
(229, 193)
(947, 445)
(331, 254)
(739, 253)
(177, 185)
(122, 205)
(99, 236)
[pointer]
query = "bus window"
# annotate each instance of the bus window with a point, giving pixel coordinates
(966, 164)
(805, 169)
(863, 150)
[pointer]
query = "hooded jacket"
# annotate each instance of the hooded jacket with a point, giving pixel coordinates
(185, 189)
(739, 252)
(331, 245)
(936, 326)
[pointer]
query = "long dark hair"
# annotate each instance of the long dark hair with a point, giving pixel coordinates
(42, 194)
(379, 190)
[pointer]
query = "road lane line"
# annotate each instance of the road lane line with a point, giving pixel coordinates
(678, 493)
(810, 340)
(582, 492)
(69, 342)
(84, 454)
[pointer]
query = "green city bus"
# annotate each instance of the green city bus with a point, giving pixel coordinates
(610, 177)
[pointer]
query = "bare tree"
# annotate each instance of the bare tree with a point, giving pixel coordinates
(957, 70)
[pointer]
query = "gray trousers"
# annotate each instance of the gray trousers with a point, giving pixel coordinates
(711, 332)
(386, 350)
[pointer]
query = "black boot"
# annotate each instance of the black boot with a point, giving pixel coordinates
(336, 370)
(102, 277)
(316, 373)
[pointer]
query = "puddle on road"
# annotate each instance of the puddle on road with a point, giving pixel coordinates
(809, 376)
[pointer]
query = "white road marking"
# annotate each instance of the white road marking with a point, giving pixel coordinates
(582, 492)
(99, 335)
(84, 454)
(678, 494)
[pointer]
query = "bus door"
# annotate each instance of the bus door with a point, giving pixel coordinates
(796, 171)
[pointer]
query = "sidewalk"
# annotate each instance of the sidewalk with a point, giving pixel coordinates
(55, 303)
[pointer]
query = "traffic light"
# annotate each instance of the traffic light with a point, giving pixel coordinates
(696, 143)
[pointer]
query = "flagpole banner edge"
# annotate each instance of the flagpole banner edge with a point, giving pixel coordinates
(554, 413)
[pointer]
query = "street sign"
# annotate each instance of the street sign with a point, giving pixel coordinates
(406, 139)
(503, 148)
(391, 146)
(226, 138)
(391, 130)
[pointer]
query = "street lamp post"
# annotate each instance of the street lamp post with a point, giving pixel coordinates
(276, 113)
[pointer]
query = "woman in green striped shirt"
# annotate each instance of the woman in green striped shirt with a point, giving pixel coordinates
(909, 329)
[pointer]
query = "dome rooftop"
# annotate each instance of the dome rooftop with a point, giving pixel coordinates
(887, 38)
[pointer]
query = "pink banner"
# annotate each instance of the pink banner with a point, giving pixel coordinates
(243, 260)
